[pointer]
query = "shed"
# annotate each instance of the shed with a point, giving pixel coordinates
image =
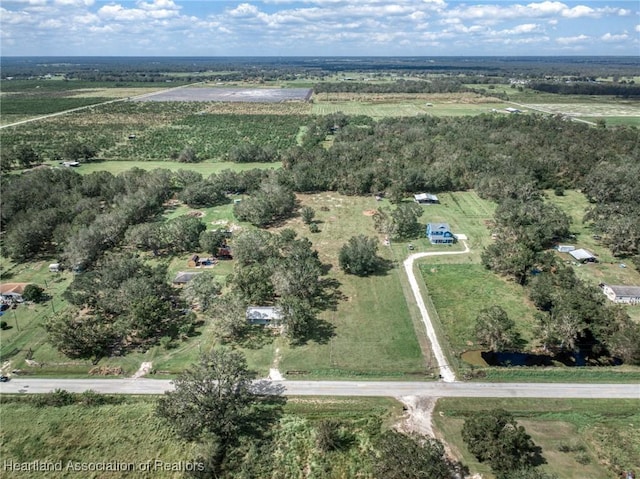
(194, 261)
(70, 163)
(583, 256)
(512, 110)
(54, 267)
(12, 292)
(264, 315)
(183, 277)
(622, 294)
(565, 248)
(425, 199)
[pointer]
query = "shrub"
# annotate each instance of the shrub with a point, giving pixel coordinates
(33, 292)
(4, 325)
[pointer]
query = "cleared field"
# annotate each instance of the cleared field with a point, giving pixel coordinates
(251, 95)
(390, 105)
(576, 436)
(618, 109)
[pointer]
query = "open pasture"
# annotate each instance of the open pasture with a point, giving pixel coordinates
(251, 95)
(597, 110)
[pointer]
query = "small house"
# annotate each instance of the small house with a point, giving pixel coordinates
(425, 199)
(264, 315)
(183, 277)
(583, 256)
(54, 267)
(440, 233)
(565, 248)
(622, 294)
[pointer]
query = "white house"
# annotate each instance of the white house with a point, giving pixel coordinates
(265, 315)
(622, 294)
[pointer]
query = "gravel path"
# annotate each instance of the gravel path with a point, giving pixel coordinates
(446, 372)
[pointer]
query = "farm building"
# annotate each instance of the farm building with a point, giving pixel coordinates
(622, 294)
(512, 110)
(583, 256)
(264, 315)
(565, 248)
(70, 163)
(440, 233)
(54, 267)
(184, 277)
(11, 292)
(425, 199)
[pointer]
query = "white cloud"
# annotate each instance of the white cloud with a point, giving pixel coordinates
(608, 37)
(73, 3)
(524, 28)
(572, 40)
(579, 11)
(637, 28)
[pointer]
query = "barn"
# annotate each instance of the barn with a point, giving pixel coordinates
(622, 294)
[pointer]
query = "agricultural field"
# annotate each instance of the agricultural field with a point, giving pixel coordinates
(614, 111)
(205, 168)
(159, 130)
(24, 99)
(395, 104)
(579, 438)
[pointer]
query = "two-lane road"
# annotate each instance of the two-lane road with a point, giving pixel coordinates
(344, 388)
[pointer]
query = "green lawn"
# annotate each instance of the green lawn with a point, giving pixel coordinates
(603, 435)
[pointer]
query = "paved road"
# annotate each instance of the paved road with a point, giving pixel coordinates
(343, 388)
(445, 370)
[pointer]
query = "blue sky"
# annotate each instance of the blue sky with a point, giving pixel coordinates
(319, 27)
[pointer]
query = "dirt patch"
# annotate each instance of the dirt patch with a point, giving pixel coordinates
(195, 214)
(369, 212)
(417, 417)
(12, 287)
(144, 369)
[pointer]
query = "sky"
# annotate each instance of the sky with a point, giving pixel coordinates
(318, 27)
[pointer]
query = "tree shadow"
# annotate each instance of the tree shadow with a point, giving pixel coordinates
(320, 331)
(329, 296)
(255, 337)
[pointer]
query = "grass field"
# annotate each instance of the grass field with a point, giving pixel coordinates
(129, 433)
(584, 428)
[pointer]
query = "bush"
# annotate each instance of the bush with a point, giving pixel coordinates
(307, 214)
(314, 228)
(4, 325)
(33, 292)
(358, 256)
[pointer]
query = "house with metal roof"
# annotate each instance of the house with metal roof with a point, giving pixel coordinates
(265, 315)
(622, 294)
(440, 233)
(425, 199)
(583, 256)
